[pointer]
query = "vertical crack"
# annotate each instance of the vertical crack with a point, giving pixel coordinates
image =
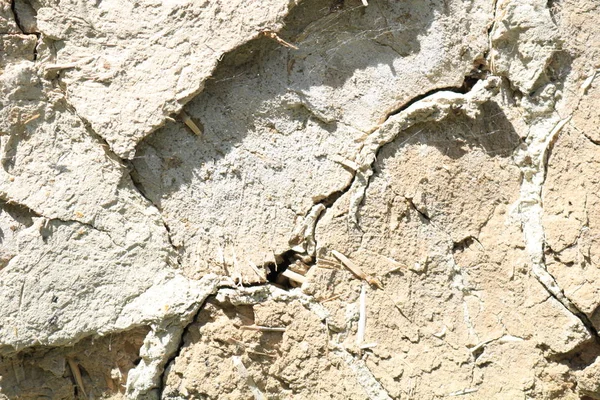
(138, 187)
(180, 346)
(127, 168)
(13, 7)
(533, 162)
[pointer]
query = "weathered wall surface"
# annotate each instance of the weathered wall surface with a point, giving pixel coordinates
(428, 168)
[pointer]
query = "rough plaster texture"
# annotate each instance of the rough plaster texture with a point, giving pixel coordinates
(448, 149)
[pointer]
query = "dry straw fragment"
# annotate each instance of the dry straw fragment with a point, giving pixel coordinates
(190, 123)
(243, 372)
(262, 328)
(294, 276)
(77, 374)
(356, 270)
(362, 316)
(275, 36)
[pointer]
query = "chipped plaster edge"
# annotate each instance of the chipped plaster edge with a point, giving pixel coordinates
(433, 108)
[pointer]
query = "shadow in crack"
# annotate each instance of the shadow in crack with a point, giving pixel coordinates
(277, 122)
(491, 132)
(580, 357)
(594, 317)
(19, 213)
(266, 89)
(10, 150)
(455, 173)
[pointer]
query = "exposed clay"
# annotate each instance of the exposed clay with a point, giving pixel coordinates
(299, 199)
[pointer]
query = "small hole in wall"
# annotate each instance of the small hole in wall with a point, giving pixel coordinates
(275, 269)
(295, 262)
(463, 244)
(478, 352)
(468, 83)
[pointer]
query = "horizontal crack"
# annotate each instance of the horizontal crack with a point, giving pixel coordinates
(416, 99)
(86, 224)
(7, 200)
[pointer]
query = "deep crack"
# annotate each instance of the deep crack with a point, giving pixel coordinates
(462, 89)
(138, 187)
(13, 8)
(570, 306)
(412, 205)
(181, 345)
(421, 111)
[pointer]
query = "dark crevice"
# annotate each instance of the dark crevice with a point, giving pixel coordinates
(284, 260)
(465, 244)
(470, 80)
(281, 263)
(139, 188)
(168, 229)
(181, 345)
(35, 50)
(464, 87)
(19, 212)
(13, 8)
(477, 353)
(580, 357)
(585, 320)
(556, 256)
(593, 141)
(423, 215)
(330, 200)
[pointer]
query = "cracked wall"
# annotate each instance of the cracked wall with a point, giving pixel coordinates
(386, 200)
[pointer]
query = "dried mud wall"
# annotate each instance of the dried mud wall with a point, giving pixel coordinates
(279, 199)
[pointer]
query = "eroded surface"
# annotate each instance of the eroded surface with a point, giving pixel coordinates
(445, 149)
